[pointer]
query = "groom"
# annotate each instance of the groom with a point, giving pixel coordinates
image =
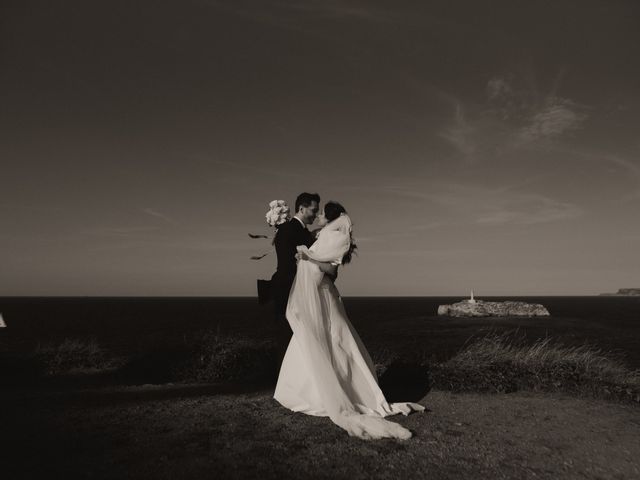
(288, 237)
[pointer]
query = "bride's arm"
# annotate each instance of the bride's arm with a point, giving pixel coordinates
(328, 253)
(325, 267)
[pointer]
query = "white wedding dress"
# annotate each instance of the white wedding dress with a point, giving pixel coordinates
(327, 370)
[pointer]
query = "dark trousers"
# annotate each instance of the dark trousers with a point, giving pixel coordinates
(280, 288)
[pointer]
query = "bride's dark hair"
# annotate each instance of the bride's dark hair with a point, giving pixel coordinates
(332, 210)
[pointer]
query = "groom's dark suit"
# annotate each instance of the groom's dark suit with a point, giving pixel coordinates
(288, 237)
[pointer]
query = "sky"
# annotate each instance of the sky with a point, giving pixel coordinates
(492, 146)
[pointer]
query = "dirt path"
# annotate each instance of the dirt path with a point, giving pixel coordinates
(180, 432)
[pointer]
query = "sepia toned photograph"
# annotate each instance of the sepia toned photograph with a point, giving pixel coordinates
(320, 239)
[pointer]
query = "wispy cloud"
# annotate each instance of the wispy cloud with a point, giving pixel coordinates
(528, 209)
(382, 237)
(413, 231)
(534, 116)
(155, 213)
(557, 117)
(511, 117)
(492, 206)
(120, 231)
(630, 169)
(432, 253)
(622, 164)
(498, 89)
(460, 134)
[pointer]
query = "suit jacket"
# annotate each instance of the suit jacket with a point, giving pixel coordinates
(288, 237)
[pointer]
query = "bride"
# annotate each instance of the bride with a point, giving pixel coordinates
(327, 370)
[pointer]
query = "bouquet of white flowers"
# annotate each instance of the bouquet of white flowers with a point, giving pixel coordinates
(277, 214)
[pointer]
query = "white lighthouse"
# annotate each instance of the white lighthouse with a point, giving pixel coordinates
(472, 300)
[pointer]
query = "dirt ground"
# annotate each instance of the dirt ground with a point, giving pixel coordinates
(205, 431)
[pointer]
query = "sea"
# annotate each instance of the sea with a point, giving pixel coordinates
(133, 324)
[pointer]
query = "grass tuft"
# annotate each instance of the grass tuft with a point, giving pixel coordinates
(502, 363)
(218, 357)
(74, 355)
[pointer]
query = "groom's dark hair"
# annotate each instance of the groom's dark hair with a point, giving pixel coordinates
(305, 199)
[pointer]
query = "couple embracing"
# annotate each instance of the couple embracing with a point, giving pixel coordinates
(326, 370)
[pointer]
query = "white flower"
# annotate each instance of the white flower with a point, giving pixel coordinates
(278, 213)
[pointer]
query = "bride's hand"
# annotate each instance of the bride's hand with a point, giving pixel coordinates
(301, 256)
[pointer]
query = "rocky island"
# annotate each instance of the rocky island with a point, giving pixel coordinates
(479, 308)
(625, 292)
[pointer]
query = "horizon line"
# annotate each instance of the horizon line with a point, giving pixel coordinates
(343, 296)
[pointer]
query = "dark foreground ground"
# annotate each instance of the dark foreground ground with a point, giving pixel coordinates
(127, 413)
(203, 431)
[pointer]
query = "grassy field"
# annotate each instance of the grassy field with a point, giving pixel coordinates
(501, 407)
(203, 431)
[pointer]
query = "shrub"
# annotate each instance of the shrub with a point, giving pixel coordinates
(501, 363)
(73, 356)
(218, 357)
